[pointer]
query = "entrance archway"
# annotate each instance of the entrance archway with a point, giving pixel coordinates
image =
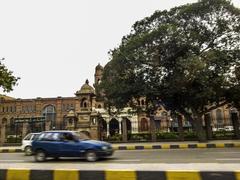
(113, 127)
(144, 125)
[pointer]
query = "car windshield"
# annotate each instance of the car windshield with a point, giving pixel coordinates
(80, 136)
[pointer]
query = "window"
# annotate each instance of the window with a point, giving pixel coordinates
(49, 137)
(67, 137)
(28, 137)
(50, 115)
(35, 136)
(219, 116)
(84, 103)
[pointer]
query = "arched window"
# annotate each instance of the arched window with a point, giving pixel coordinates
(99, 106)
(4, 121)
(143, 102)
(84, 103)
(138, 101)
(219, 116)
(50, 115)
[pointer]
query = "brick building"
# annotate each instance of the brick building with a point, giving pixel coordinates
(83, 112)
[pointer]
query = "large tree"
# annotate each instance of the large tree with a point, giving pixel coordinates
(7, 79)
(184, 57)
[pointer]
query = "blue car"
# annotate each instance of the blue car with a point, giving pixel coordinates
(69, 144)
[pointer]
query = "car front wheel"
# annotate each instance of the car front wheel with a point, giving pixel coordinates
(40, 156)
(91, 156)
(28, 151)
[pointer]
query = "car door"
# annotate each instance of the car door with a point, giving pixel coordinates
(50, 143)
(70, 147)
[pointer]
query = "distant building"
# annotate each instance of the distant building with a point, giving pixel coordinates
(84, 112)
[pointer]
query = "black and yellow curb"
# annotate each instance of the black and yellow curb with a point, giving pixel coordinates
(10, 150)
(27, 174)
(160, 146)
(177, 146)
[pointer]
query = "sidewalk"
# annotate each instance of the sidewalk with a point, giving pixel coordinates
(155, 145)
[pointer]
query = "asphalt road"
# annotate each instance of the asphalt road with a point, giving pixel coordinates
(202, 159)
(221, 155)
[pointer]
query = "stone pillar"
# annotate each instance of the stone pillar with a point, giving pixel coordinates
(120, 128)
(236, 125)
(3, 134)
(47, 125)
(153, 128)
(24, 129)
(107, 129)
(59, 119)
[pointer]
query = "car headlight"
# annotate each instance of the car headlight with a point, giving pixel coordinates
(104, 147)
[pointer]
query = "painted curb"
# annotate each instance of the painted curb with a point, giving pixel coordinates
(160, 146)
(28, 174)
(177, 146)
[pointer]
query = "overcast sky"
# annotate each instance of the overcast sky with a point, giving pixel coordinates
(54, 45)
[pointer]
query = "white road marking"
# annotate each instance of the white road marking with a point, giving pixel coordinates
(228, 159)
(127, 160)
(223, 152)
(12, 160)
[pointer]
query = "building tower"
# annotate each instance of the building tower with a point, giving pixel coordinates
(98, 74)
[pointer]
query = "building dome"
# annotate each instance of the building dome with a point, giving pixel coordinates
(86, 89)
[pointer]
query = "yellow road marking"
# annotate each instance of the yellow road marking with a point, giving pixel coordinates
(201, 145)
(220, 145)
(18, 174)
(147, 146)
(183, 146)
(66, 174)
(165, 146)
(184, 175)
(130, 147)
(237, 175)
(120, 175)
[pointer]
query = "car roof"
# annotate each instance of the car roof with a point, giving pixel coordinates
(58, 131)
(35, 133)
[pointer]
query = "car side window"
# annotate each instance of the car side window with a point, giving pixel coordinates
(49, 137)
(28, 137)
(35, 136)
(67, 137)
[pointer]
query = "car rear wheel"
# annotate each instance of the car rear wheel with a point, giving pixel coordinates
(40, 156)
(91, 156)
(28, 151)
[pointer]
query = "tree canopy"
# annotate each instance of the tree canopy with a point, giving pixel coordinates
(7, 79)
(188, 57)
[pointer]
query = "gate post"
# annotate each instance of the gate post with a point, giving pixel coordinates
(124, 130)
(24, 129)
(3, 133)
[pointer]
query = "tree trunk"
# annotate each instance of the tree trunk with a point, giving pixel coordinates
(124, 130)
(180, 128)
(207, 119)
(235, 122)
(153, 129)
(201, 134)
